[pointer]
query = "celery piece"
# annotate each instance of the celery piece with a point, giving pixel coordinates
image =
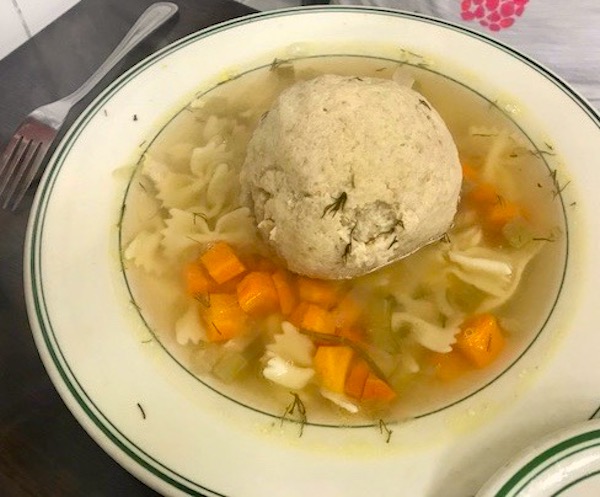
(230, 366)
(379, 323)
(463, 296)
(517, 232)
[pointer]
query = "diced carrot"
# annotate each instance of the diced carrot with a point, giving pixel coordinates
(347, 313)
(257, 294)
(321, 292)
(297, 315)
(376, 389)
(469, 172)
(222, 263)
(317, 319)
(502, 212)
(483, 194)
(197, 280)
(331, 365)
(449, 366)
(480, 339)
(357, 377)
(223, 317)
(285, 291)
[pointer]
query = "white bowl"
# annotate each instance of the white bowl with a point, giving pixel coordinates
(183, 438)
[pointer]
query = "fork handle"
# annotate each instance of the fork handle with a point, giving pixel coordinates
(152, 18)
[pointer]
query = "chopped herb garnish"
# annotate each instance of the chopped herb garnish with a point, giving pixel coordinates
(193, 240)
(394, 242)
(142, 412)
(337, 205)
(217, 329)
(105, 112)
(295, 408)
(540, 153)
(560, 189)
(347, 250)
(200, 215)
(384, 430)
(500, 200)
(380, 69)
(548, 146)
(446, 238)
(142, 144)
(493, 104)
(424, 103)
(142, 186)
(413, 54)
(573, 204)
(277, 63)
(552, 237)
(149, 340)
(135, 118)
(356, 78)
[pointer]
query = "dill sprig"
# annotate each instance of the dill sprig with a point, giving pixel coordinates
(142, 412)
(295, 408)
(277, 63)
(337, 205)
(216, 329)
(558, 188)
(541, 153)
(196, 215)
(384, 430)
(394, 242)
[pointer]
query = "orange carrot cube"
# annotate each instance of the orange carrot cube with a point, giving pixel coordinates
(331, 365)
(501, 213)
(449, 366)
(222, 263)
(357, 377)
(317, 319)
(376, 389)
(257, 294)
(320, 292)
(285, 291)
(223, 317)
(480, 339)
(197, 280)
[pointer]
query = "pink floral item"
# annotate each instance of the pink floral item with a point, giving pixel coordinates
(493, 14)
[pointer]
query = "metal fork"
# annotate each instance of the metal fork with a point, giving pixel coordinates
(23, 156)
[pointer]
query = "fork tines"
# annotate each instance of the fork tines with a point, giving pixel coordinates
(21, 160)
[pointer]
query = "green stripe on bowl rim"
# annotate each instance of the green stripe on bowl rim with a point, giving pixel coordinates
(546, 460)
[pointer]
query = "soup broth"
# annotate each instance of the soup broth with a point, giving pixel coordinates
(502, 260)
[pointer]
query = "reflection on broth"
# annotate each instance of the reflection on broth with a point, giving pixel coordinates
(403, 341)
